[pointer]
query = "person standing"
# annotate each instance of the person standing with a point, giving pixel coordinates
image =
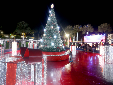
(93, 47)
(88, 47)
(70, 54)
(83, 45)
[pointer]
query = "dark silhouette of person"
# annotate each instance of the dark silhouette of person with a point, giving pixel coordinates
(70, 54)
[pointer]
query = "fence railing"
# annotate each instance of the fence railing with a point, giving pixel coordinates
(1, 50)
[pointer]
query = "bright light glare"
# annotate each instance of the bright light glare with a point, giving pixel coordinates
(41, 40)
(67, 35)
(58, 27)
(55, 36)
(48, 18)
(52, 44)
(49, 11)
(44, 29)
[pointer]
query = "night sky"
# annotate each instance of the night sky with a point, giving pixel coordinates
(67, 13)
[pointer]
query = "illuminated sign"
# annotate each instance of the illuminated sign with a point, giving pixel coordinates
(94, 38)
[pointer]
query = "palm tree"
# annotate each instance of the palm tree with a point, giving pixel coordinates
(104, 28)
(22, 27)
(77, 28)
(69, 30)
(87, 28)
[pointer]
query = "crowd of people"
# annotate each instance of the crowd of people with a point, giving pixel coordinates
(87, 47)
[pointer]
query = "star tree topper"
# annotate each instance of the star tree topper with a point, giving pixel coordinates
(52, 5)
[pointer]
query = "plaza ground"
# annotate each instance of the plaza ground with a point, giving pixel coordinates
(87, 68)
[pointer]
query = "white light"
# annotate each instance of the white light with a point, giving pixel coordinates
(48, 18)
(51, 26)
(58, 27)
(44, 34)
(52, 74)
(67, 35)
(55, 36)
(52, 44)
(49, 11)
(44, 29)
(87, 32)
(41, 40)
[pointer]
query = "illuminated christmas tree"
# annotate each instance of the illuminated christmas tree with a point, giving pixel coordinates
(51, 40)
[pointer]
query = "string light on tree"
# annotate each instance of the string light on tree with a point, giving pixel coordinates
(41, 40)
(51, 26)
(44, 34)
(49, 19)
(49, 11)
(55, 36)
(58, 27)
(52, 44)
(44, 29)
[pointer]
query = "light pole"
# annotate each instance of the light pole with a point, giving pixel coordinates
(23, 35)
(77, 36)
(67, 35)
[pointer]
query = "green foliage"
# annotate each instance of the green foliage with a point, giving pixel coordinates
(18, 37)
(19, 44)
(87, 28)
(71, 30)
(7, 45)
(22, 27)
(27, 44)
(104, 28)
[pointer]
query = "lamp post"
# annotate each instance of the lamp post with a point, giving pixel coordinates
(67, 35)
(23, 35)
(77, 36)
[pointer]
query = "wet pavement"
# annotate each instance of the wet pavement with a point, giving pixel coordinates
(87, 68)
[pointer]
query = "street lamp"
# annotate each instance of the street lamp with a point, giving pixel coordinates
(67, 35)
(23, 35)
